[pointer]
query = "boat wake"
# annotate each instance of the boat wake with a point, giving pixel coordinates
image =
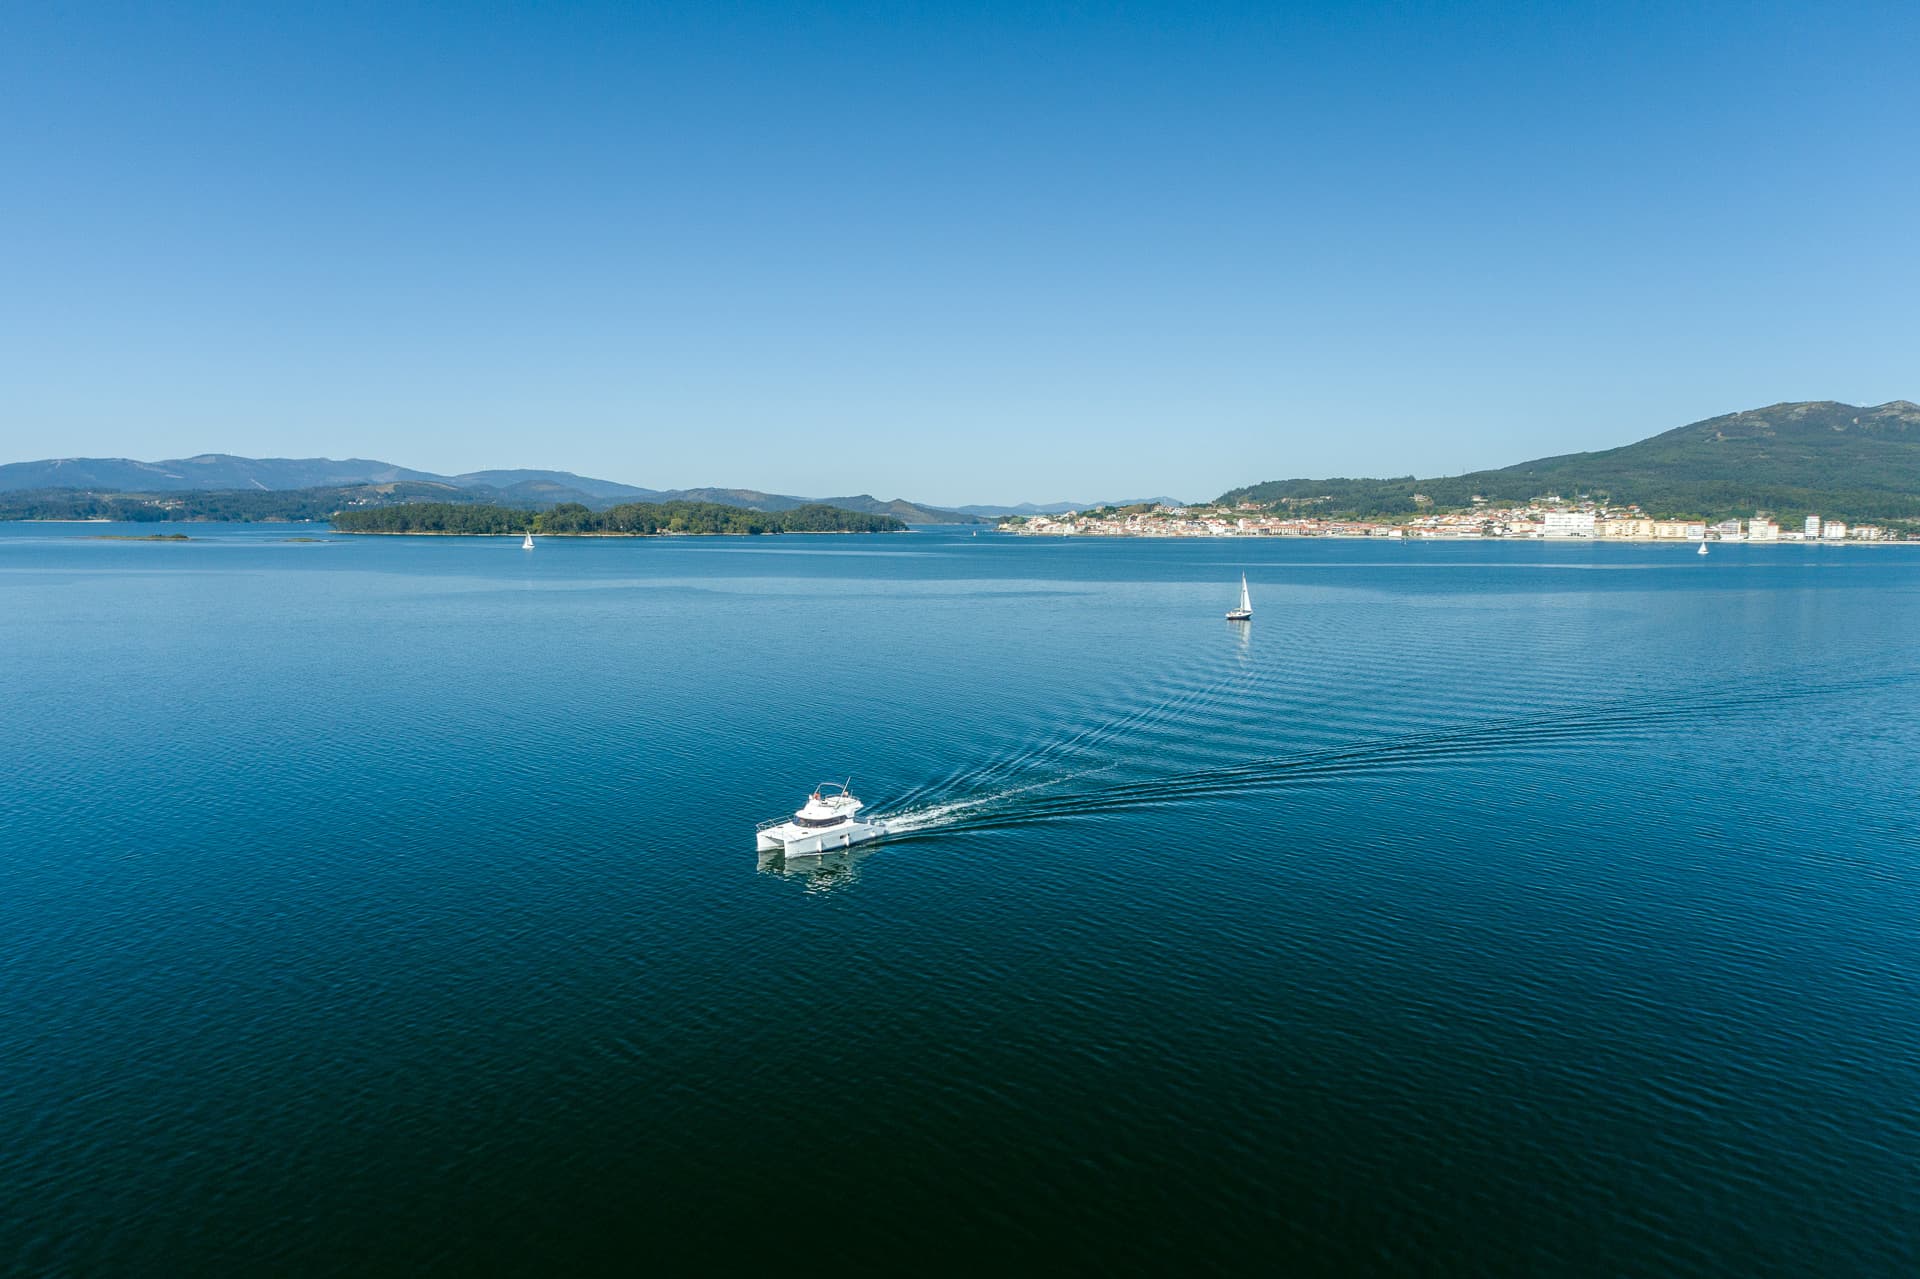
(971, 802)
(953, 813)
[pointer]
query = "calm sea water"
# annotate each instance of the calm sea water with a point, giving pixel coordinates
(390, 904)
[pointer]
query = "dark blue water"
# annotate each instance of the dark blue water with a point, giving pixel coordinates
(390, 904)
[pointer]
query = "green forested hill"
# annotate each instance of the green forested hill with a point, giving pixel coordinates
(899, 508)
(633, 518)
(1787, 459)
(243, 505)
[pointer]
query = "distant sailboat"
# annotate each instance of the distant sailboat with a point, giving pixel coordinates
(1245, 612)
(526, 543)
(1703, 548)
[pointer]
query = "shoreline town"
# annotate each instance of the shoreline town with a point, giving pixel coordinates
(1547, 519)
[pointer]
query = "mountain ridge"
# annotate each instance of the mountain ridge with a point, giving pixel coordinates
(1061, 508)
(865, 503)
(1788, 459)
(209, 473)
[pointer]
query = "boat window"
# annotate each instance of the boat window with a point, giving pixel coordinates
(818, 821)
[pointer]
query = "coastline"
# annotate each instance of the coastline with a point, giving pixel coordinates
(1400, 539)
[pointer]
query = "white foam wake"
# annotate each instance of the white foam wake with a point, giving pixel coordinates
(947, 812)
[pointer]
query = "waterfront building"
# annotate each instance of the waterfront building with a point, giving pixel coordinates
(1596, 522)
(1813, 527)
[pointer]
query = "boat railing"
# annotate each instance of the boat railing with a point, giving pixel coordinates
(771, 823)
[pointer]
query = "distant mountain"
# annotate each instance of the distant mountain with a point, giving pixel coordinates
(540, 484)
(429, 507)
(1791, 460)
(901, 509)
(205, 473)
(223, 472)
(754, 500)
(212, 473)
(227, 505)
(1060, 508)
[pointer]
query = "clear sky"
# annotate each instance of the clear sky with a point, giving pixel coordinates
(950, 252)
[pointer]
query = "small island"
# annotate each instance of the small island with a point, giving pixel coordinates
(634, 519)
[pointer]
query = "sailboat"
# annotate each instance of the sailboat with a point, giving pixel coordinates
(1702, 550)
(526, 543)
(1245, 612)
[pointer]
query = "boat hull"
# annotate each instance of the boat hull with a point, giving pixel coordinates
(816, 843)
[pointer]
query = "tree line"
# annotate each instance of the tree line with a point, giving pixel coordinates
(215, 505)
(1661, 498)
(631, 519)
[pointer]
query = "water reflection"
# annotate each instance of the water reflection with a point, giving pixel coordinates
(818, 873)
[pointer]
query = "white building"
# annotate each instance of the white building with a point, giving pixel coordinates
(1762, 531)
(1728, 530)
(1833, 531)
(1813, 527)
(1569, 524)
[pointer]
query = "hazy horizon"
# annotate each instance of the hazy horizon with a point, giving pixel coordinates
(1139, 492)
(996, 257)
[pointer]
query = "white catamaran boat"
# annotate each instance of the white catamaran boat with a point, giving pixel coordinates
(527, 545)
(1245, 612)
(826, 823)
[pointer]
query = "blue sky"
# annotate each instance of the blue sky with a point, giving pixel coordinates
(955, 253)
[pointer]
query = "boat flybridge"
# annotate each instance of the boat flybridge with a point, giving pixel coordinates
(826, 823)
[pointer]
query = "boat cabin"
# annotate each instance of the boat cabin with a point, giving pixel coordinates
(830, 804)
